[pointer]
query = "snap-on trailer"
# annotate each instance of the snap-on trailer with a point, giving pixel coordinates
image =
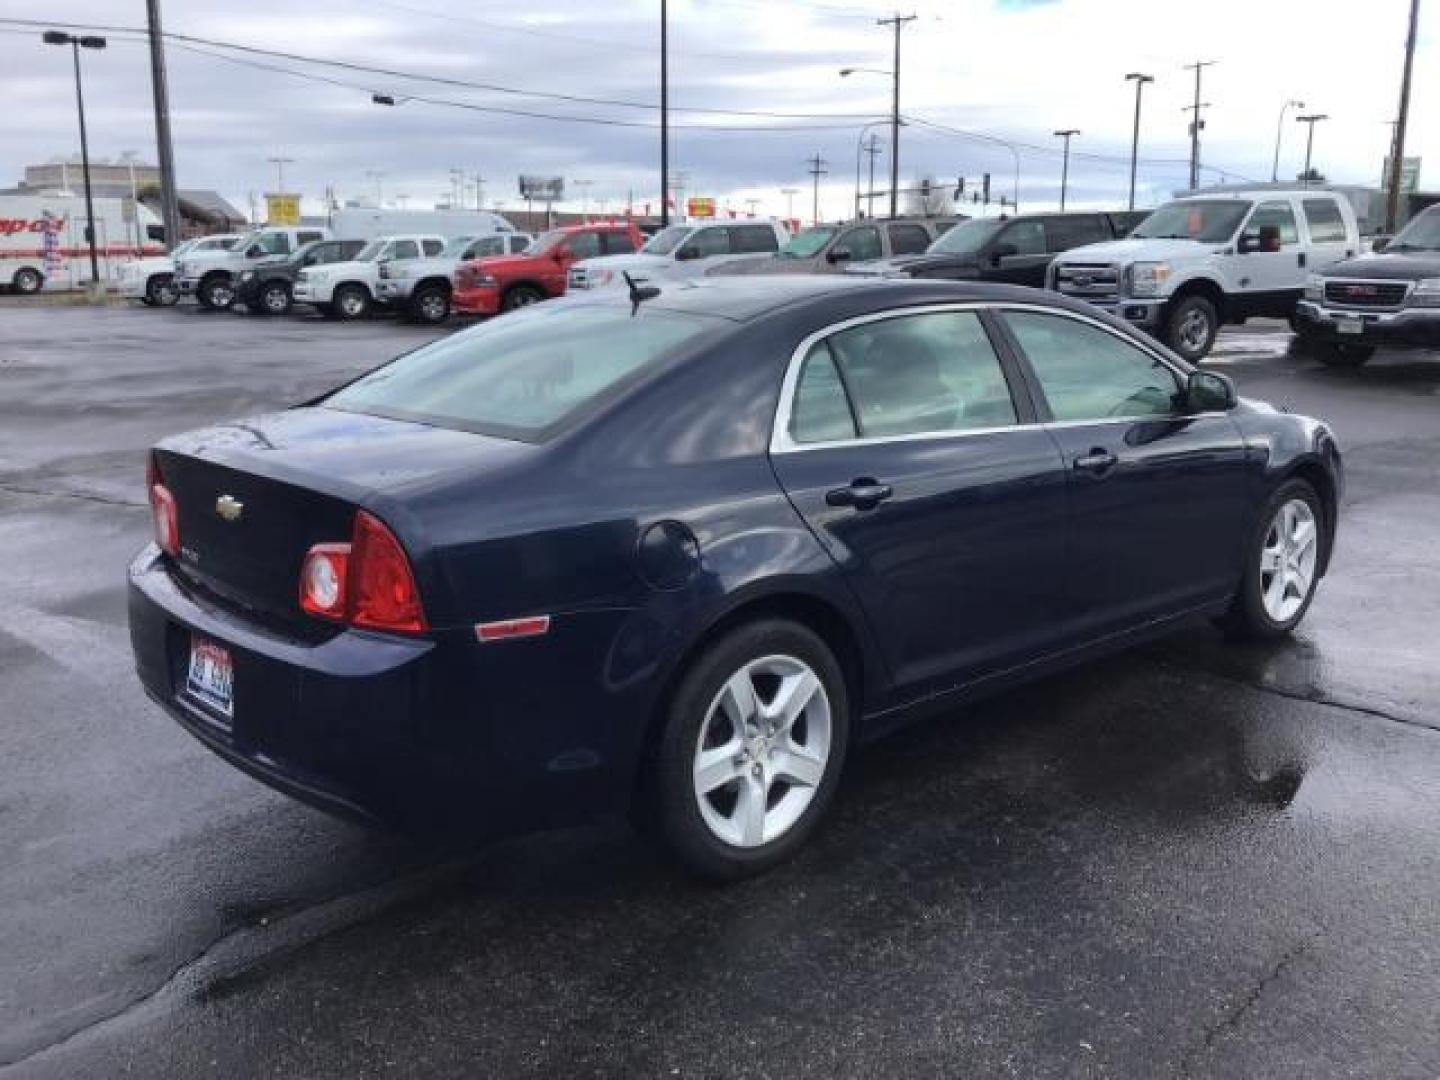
(43, 245)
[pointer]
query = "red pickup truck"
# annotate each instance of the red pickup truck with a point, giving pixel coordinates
(505, 282)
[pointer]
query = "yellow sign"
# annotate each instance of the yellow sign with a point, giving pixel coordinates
(700, 206)
(282, 209)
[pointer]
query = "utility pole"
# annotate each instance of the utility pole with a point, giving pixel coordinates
(872, 149)
(1311, 120)
(1279, 131)
(1195, 122)
(479, 192)
(664, 115)
(897, 21)
(165, 151)
(1064, 169)
(1397, 156)
(817, 169)
(1139, 80)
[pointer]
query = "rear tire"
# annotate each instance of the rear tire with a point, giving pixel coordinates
(1282, 570)
(519, 296)
(738, 782)
(26, 281)
(1333, 354)
(272, 299)
(350, 302)
(1191, 326)
(431, 305)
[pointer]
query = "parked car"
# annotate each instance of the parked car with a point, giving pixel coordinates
(1015, 250)
(211, 276)
(152, 280)
(676, 551)
(1390, 300)
(347, 290)
(1205, 260)
(424, 287)
(490, 286)
(682, 251)
(830, 249)
(266, 288)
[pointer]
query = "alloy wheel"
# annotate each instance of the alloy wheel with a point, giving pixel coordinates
(352, 304)
(433, 307)
(1194, 330)
(1287, 560)
(276, 299)
(762, 751)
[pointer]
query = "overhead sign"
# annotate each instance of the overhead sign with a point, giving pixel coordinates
(1409, 175)
(543, 188)
(702, 206)
(282, 208)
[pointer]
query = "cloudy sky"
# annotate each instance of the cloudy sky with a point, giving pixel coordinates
(1012, 70)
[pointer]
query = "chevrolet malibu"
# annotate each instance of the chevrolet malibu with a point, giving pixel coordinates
(679, 553)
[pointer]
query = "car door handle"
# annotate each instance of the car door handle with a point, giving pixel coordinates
(1098, 461)
(862, 494)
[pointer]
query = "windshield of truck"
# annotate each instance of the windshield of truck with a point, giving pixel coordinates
(1422, 234)
(1210, 221)
(455, 247)
(808, 244)
(966, 238)
(666, 240)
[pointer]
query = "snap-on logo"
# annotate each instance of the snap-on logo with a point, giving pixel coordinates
(15, 226)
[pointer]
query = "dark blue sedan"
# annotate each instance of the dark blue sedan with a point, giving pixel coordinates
(678, 554)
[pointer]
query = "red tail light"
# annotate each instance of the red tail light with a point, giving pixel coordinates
(162, 509)
(367, 582)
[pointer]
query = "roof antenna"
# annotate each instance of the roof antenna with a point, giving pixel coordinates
(638, 293)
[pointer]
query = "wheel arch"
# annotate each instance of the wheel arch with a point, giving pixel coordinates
(1207, 287)
(1313, 471)
(432, 281)
(524, 283)
(352, 283)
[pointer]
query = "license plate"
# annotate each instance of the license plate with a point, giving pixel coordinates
(211, 679)
(1350, 326)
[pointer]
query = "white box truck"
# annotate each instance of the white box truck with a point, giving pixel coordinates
(43, 243)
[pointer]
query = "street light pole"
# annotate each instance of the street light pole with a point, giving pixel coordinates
(58, 37)
(664, 115)
(1397, 154)
(1065, 168)
(1312, 119)
(1139, 80)
(1279, 129)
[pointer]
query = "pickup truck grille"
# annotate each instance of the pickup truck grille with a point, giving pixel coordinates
(1370, 295)
(1088, 281)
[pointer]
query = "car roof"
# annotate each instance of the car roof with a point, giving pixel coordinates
(743, 298)
(617, 226)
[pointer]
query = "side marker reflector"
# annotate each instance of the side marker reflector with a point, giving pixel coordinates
(507, 629)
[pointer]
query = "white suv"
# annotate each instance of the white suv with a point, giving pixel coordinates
(348, 290)
(682, 251)
(1205, 260)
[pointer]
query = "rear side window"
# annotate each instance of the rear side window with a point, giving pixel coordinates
(1064, 233)
(307, 237)
(523, 375)
(618, 243)
(862, 243)
(1274, 215)
(432, 247)
(932, 372)
(753, 239)
(907, 238)
(275, 243)
(404, 249)
(518, 244)
(584, 245)
(350, 248)
(1327, 225)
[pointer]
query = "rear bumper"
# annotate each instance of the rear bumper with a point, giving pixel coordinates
(476, 301)
(1414, 328)
(423, 733)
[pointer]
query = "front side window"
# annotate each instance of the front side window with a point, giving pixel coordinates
(968, 237)
(485, 247)
(617, 243)
(707, 242)
(432, 247)
(1210, 221)
(1422, 234)
(519, 376)
(1327, 226)
(1091, 374)
(753, 240)
(808, 244)
(518, 244)
(1025, 237)
(1064, 233)
(272, 244)
(666, 240)
(1272, 220)
(584, 245)
(907, 238)
(916, 374)
(404, 249)
(862, 243)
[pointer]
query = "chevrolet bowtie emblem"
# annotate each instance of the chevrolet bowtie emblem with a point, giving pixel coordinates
(229, 507)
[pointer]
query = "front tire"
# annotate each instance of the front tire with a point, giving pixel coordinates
(1283, 558)
(431, 305)
(161, 291)
(521, 296)
(1334, 354)
(350, 302)
(751, 752)
(272, 299)
(216, 293)
(27, 281)
(1191, 326)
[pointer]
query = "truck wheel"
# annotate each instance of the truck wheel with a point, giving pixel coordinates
(430, 305)
(274, 299)
(1191, 327)
(1333, 354)
(216, 293)
(521, 296)
(161, 291)
(351, 302)
(26, 281)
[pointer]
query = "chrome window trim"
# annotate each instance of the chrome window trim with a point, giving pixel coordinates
(781, 441)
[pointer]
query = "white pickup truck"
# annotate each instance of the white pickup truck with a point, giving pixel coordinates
(348, 290)
(211, 277)
(152, 280)
(423, 286)
(1206, 260)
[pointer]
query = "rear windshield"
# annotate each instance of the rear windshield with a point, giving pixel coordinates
(524, 375)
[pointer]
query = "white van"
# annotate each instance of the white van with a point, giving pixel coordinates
(361, 223)
(43, 243)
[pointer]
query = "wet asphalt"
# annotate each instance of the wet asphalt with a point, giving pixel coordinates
(1196, 860)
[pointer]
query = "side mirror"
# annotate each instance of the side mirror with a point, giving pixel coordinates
(1247, 244)
(254, 251)
(1209, 391)
(839, 255)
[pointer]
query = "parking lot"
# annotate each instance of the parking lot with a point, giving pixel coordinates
(1196, 860)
